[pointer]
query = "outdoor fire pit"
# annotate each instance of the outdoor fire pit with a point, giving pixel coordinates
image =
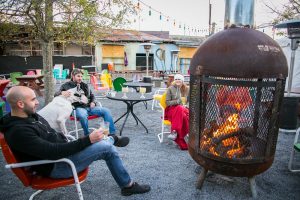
(237, 84)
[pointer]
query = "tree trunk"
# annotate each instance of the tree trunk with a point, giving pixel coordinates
(47, 51)
(47, 47)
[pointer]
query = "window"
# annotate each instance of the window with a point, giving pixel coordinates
(141, 61)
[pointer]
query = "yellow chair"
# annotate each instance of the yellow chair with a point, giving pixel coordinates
(157, 96)
(164, 122)
(106, 80)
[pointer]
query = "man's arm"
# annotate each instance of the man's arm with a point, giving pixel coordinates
(62, 88)
(169, 100)
(27, 141)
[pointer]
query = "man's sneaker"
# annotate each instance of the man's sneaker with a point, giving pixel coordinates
(120, 141)
(135, 189)
(172, 135)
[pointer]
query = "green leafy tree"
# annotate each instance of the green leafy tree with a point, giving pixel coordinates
(68, 20)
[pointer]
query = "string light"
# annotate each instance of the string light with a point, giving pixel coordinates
(161, 15)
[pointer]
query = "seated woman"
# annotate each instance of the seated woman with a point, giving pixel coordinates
(177, 112)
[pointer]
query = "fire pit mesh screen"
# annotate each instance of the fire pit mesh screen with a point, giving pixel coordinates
(236, 120)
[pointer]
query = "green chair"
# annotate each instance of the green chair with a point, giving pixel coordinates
(85, 75)
(13, 77)
(118, 83)
(56, 73)
(60, 76)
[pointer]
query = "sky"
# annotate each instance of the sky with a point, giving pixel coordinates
(193, 14)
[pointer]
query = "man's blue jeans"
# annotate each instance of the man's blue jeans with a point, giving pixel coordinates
(83, 113)
(103, 150)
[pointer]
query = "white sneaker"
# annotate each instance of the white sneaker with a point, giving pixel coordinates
(186, 138)
(172, 135)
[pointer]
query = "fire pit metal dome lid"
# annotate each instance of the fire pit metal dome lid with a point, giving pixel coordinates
(240, 53)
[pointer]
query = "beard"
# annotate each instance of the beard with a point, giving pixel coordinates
(28, 110)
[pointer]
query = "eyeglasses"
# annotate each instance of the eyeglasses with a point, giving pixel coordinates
(177, 79)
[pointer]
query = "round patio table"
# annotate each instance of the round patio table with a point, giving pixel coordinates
(137, 85)
(132, 99)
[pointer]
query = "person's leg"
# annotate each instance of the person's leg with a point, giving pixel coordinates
(106, 114)
(178, 123)
(82, 115)
(102, 150)
(175, 116)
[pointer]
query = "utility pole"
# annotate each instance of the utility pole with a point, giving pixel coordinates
(209, 19)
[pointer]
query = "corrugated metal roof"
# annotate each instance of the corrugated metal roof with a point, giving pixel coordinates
(118, 35)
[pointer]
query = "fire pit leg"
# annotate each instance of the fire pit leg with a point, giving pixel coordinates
(253, 187)
(201, 178)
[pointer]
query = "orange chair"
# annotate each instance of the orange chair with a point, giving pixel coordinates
(37, 182)
(99, 86)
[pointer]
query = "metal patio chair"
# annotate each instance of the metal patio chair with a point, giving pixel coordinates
(20, 169)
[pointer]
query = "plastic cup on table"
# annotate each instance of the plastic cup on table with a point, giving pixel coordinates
(142, 91)
(124, 90)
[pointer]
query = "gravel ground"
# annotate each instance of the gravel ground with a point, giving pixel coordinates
(171, 173)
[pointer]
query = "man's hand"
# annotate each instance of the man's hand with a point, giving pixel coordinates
(96, 135)
(83, 99)
(66, 93)
(92, 105)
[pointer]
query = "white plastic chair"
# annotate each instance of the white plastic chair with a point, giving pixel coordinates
(164, 122)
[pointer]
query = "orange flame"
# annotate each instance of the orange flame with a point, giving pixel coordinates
(232, 143)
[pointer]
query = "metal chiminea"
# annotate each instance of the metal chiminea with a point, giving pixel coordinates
(237, 80)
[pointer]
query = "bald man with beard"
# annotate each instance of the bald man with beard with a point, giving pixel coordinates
(31, 138)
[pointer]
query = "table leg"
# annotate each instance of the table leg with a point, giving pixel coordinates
(136, 121)
(126, 113)
(124, 123)
(130, 110)
(130, 107)
(121, 117)
(140, 121)
(136, 117)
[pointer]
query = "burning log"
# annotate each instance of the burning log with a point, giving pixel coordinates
(241, 134)
(224, 141)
